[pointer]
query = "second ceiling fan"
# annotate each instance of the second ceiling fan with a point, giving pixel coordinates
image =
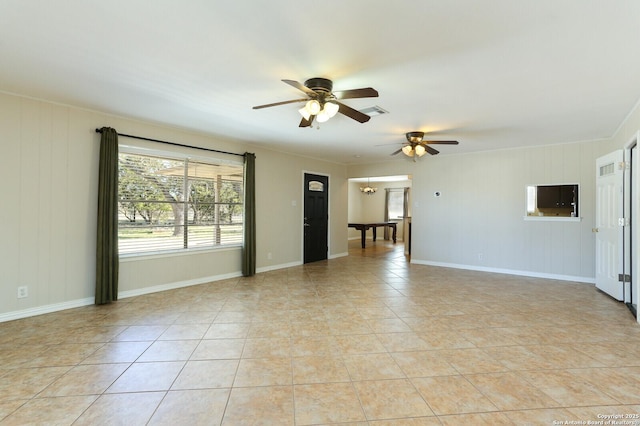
(322, 103)
(416, 146)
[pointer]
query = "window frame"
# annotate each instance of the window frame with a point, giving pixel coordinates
(533, 212)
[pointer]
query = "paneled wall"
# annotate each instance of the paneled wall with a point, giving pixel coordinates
(48, 181)
(478, 220)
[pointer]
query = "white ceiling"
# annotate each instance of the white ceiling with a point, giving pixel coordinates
(490, 73)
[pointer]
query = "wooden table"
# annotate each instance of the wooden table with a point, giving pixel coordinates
(362, 227)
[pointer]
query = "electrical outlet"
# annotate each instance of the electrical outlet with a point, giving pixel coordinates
(23, 291)
(480, 257)
(269, 256)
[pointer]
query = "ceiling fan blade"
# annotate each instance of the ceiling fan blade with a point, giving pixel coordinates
(352, 113)
(392, 143)
(301, 87)
(431, 150)
(442, 142)
(280, 103)
(397, 152)
(306, 123)
(365, 92)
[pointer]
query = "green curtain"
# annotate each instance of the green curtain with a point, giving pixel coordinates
(107, 241)
(249, 246)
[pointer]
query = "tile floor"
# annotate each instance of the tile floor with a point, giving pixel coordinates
(367, 339)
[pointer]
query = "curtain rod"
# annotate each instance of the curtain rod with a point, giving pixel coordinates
(174, 144)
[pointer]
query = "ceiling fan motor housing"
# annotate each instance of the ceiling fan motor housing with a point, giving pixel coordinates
(415, 137)
(319, 84)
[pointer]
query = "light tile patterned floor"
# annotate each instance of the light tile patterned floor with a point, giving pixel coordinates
(367, 339)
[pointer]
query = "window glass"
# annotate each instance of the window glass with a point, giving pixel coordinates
(316, 186)
(395, 205)
(553, 200)
(168, 204)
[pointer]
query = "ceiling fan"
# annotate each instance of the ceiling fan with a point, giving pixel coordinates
(416, 146)
(322, 103)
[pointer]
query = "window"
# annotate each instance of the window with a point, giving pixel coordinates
(168, 204)
(395, 203)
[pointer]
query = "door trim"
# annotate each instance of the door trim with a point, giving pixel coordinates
(631, 208)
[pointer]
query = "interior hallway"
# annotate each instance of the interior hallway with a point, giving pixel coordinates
(366, 339)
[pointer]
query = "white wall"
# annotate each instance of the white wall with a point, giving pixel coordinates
(478, 221)
(48, 179)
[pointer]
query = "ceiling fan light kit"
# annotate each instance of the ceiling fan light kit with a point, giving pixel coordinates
(322, 117)
(312, 107)
(408, 150)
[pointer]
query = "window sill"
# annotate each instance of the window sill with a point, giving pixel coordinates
(553, 219)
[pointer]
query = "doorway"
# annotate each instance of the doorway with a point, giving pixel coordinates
(388, 200)
(316, 217)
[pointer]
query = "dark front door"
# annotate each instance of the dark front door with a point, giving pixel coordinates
(316, 217)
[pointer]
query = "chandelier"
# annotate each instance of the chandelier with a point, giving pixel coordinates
(368, 190)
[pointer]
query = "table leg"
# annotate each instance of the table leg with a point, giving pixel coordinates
(374, 232)
(363, 236)
(394, 233)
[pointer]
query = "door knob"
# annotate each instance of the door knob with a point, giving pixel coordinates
(594, 229)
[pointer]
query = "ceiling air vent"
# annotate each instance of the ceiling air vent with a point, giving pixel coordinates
(373, 111)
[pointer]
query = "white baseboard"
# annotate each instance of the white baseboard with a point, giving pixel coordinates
(46, 309)
(533, 274)
(276, 267)
(292, 264)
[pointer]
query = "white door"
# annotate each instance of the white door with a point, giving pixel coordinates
(609, 223)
